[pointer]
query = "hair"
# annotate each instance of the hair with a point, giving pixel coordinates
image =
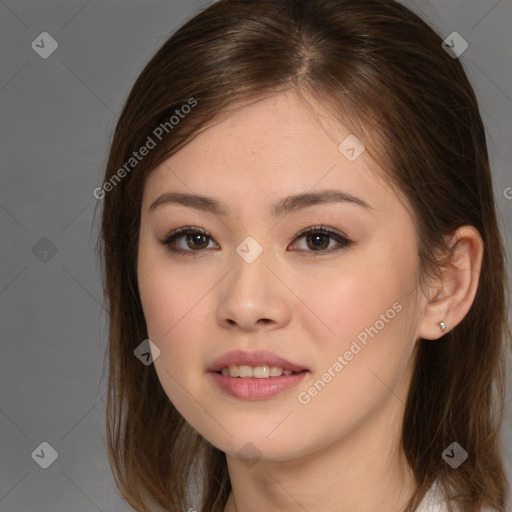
(382, 72)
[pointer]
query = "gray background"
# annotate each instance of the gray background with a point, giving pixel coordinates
(57, 118)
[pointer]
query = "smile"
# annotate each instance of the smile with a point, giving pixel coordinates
(260, 372)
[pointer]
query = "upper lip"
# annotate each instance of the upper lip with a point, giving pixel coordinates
(258, 358)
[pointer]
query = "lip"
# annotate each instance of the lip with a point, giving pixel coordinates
(256, 389)
(257, 358)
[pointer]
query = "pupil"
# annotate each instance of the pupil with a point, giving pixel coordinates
(195, 239)
(318, 241)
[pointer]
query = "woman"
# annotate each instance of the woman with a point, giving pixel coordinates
(298, 213)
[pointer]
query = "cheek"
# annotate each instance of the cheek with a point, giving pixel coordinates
(368, 306)
(178, 311)
(168, 292)
(169, 302)
(364, 307)
(353, 296)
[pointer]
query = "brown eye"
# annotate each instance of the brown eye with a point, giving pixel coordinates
(318, 240)
(195, 240)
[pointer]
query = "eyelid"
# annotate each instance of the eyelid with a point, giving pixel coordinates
(184, 229)
(319, 227)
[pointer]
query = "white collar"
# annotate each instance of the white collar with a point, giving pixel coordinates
(434, 501)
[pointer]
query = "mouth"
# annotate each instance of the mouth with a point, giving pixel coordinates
(258, 372)
(260, 364)
(255, 375)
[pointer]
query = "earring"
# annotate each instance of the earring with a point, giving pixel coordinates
(442, 325)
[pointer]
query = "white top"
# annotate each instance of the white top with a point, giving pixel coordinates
(434, 502)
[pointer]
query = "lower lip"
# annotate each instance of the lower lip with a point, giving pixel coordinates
(255, 389)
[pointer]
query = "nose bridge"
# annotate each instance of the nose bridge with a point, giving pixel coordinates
(250, 273)
(251, 291)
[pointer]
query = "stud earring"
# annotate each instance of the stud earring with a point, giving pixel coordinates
(442, 325)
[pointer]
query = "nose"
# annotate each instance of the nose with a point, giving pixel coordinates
(253, 296)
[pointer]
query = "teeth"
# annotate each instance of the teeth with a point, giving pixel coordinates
(260, 372)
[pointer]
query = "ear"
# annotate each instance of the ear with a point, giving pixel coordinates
(451, 295)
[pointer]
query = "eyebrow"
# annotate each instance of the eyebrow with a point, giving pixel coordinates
(286, 205)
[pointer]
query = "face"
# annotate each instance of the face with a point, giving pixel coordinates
(340, 300)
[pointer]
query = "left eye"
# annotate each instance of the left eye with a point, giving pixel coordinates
(317, 239)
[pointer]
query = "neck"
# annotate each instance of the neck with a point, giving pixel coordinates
(351, 475)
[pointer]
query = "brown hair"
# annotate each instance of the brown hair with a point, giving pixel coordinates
(383, 72)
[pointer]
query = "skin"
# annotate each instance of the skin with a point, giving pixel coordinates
(340, 452)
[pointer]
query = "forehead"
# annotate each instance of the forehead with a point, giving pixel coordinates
(271, 148)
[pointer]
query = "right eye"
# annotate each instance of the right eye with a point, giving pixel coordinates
(194, 239)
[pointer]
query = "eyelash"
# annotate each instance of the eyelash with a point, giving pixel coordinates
(342, 240)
